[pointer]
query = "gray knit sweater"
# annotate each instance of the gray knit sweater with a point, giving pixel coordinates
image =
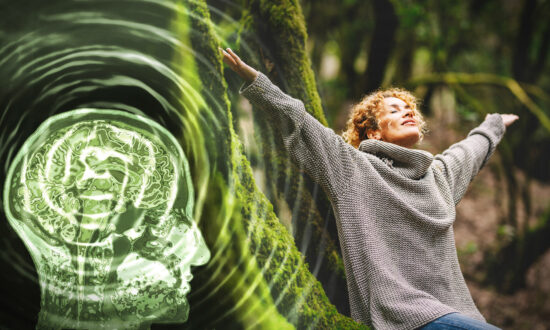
(394, 207)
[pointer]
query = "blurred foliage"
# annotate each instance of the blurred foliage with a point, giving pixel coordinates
(468, 249)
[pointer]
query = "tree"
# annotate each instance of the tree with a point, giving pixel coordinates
(276, 34)
(258, 252)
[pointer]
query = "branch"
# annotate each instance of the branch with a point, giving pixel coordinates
(454, 78)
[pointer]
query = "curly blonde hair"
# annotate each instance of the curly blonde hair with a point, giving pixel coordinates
(365, 114)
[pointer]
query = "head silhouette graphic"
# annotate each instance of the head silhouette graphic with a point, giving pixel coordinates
(103, 201)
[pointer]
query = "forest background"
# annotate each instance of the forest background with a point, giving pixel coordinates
(276, 259)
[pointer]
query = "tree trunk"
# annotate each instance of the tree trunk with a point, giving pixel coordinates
(255, 269)
(277, 36)
(381, 45)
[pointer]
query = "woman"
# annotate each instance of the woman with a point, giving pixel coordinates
(394, 205)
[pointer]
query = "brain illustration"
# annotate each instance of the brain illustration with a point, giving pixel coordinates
(103, 200)
(85, 174)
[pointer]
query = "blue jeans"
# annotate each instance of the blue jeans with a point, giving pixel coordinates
(455, 321)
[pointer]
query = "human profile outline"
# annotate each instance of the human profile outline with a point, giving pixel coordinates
(103, 201)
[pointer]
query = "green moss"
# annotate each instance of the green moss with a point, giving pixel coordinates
(256, 269)
(231, 288)
(267, 22)
(296, 292)
(281, 25)
(276, 31)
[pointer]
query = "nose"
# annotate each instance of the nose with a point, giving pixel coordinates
(408, 113)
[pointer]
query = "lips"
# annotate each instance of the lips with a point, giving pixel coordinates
(409, 122)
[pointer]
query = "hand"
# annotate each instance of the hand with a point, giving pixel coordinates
(236, 64)
(509, 119)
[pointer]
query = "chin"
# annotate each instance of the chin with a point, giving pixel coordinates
(179, 315)
(414, 137)
(410, 141)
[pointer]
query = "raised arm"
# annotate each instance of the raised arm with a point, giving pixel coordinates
(463, 160)
(324, 155)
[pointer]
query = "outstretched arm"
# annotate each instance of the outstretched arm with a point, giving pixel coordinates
(463, 160)
(324, 155)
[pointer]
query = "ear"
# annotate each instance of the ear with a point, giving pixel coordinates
(374, 134)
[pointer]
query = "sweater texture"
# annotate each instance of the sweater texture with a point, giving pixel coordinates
(394, 208)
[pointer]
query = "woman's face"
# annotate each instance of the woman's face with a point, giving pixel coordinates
(397, 123)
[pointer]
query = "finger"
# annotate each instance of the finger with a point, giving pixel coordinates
(229, 62)
(235, 57)
(513, 117)
(228, 59)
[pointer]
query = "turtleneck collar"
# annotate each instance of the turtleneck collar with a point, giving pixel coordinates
(411, 163)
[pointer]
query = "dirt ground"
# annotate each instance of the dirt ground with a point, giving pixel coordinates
(478, 218)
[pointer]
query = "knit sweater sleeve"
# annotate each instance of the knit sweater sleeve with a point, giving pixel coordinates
(324, 155)
(463, 160)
